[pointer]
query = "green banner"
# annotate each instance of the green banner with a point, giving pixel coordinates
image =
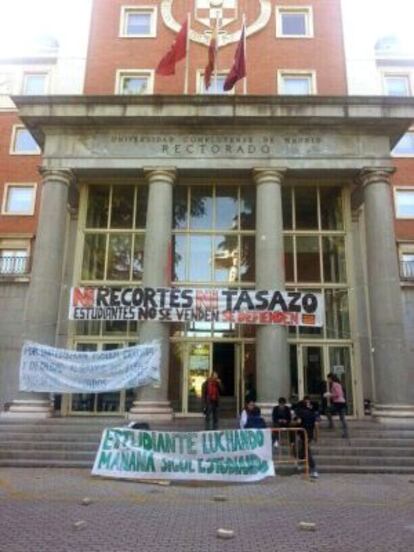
(229, 455)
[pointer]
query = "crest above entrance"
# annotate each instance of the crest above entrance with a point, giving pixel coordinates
(222, 13)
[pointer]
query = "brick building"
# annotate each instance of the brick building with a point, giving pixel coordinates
(282, 183)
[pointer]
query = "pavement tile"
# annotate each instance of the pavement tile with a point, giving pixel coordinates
(352, 513)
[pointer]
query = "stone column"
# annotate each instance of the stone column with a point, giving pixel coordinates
(272, 366)
(42, 305)
(394, 392)
(152, 402)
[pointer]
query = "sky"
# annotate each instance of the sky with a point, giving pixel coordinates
(22, 19)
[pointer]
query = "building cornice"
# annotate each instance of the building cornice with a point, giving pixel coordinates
(376, 115)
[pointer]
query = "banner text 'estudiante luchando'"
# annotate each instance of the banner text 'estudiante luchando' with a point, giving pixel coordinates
(285, 308)
(229, 455)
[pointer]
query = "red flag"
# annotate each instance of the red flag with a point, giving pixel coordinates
(212, 53)
(176, 53)
(238, 71)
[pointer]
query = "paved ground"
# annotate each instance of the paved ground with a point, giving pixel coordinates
(39, 507)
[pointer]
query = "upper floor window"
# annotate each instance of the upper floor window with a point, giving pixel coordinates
(135, 82)
(296, 83)
(23, 142)
(138, 22)
(34, 83)
(397, 85)
(19, 199)
(216, 86)
(294, 22)
(404, 203)
(405, 147)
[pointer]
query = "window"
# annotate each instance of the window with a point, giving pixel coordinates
(294, 22)
(138, 22)
(397, 85)
(296, 83)
(114, 233)
(19, 199)
(134, 83)
(213, 234)
(216, 86)
(22, 142)
(405, 146)
(404, 203)
(34, 83)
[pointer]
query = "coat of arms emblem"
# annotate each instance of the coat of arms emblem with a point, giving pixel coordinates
(210, 14)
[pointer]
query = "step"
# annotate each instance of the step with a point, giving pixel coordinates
(366, 469)
(47, 455)
(48, 445)
(29, 463)
(363, 451)
(366, 460)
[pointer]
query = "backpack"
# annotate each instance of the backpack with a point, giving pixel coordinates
(212, 390)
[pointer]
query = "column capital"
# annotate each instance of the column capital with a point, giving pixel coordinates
(265, 175)
(64, 176)
(373, 175)
(163, 174)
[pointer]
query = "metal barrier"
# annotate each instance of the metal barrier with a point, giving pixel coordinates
(288, 454)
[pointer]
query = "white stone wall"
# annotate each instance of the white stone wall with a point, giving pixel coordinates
(360, 37)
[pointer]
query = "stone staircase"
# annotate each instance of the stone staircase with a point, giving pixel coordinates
(72, 443)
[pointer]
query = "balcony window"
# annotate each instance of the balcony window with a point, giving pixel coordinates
(13, 262)
(407, 265)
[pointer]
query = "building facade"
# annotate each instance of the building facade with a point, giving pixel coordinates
(283, 183)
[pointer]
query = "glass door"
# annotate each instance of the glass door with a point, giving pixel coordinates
(340, 365)
(109, 403)
(312, 372)
(198, 369)
(315, 363)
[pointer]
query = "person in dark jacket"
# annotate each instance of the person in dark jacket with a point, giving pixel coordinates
(306, 417)
(211, 390)
(251, 417)
(281, 417)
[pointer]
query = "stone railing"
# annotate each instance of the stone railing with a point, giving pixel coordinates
(407, 270)
(14, 266)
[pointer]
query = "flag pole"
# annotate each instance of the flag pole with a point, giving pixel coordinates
(217, 55)
(187, 57)
(245, 54)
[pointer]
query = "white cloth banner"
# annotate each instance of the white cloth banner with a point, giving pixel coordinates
(236, 455)
(47, 369)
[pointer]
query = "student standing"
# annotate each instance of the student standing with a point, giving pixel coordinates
(337, 396)
(211, 390)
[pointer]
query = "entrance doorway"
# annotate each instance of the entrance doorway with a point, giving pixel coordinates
(224, 363)
(199, 360)
(310, 365)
